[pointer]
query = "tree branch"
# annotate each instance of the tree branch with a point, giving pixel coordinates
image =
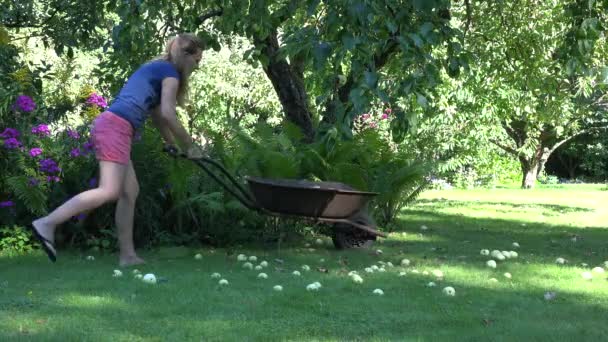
(585, 131)
(28, 37)
(513, 134)
(508, 149)
(214, 13)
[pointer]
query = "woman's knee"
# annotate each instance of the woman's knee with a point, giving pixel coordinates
(110, 194)
(131, 192)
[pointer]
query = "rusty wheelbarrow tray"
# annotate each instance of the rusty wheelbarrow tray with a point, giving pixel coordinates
(330, 202)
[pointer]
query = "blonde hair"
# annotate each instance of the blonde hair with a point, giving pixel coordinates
(176, 49)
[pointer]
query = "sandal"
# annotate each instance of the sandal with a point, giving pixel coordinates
(45, 244)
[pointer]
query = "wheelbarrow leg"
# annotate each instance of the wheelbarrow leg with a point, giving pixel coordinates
(355, 232)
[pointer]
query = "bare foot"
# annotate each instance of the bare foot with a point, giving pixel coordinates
(47, 232)
(132, 260)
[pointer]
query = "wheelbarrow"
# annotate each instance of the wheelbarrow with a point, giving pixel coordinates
(337, 204)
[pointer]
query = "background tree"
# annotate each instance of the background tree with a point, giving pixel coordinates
(326, 60)
(539, 72)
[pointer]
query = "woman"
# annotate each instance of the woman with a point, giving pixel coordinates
(155, 90)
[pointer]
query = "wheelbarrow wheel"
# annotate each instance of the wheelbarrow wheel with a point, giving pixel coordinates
(352, 238)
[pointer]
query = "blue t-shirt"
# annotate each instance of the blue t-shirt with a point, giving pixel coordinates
(142, 92)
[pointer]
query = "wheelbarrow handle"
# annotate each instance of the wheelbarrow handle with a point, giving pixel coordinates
(244, 196)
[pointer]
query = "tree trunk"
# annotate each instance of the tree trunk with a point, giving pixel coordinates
(543, 161)
(571, 169)
(529, 168)
(532, 167)
(289, 87)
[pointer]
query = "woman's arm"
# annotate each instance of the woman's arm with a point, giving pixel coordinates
(164, 130)
(168, 114)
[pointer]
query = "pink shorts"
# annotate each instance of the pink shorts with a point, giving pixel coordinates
(111, 135)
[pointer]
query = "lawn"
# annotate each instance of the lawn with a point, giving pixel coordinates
(79, 299)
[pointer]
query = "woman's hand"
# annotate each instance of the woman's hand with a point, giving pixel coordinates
(195, 152)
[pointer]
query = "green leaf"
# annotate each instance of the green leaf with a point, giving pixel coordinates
(312, 7)
(371, 79)
(284, 142)
(383, 95)
(603, 75)
(264, 60)
(391, 26)
(313, 163)
(351, 174)
(357, 98)
(349, 41)
(399, 129)
(321, 52)
(426, 28)
(292, 131)
(453, 67)
(278, 165)
(32, 196)
(416, 39)
(421, 99)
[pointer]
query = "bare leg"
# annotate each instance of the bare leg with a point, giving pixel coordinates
(125, 209)
(112, 177)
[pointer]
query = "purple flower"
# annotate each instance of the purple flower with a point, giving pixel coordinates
(93, 182)
(9, 133)
(50, 179)
(24, 103)
(33, 181)
(75, 152)
(11, 143)
(41, 130)
(73, 134)
(6, 204)
(36, 151)
(49, 166)
(88, 147)
(97, 100)
(384, 116)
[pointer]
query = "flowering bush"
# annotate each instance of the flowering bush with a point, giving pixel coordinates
(41, 130)
(378, 120)
(93, 103)
(12, 143)
(97, 100)
(35, 161)
(24, 103)
(9, 133)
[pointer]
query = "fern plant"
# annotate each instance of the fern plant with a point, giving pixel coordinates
(34, 198)
(366, 162)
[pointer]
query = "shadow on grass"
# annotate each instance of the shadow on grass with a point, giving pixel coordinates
(558, 209)
(457, 234)
(408, 311)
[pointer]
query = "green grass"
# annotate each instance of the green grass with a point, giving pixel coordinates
(79, 300)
